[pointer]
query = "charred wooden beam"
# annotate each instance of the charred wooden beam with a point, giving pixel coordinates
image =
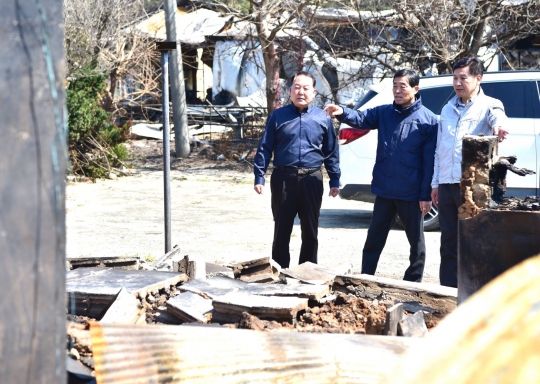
(476, 165)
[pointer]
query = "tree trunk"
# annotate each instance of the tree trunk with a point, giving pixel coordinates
(271, 61)
(108, 100)
(479, 31)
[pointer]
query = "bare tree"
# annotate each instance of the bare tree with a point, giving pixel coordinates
(428, 35)
(98, 36)
(270, 17)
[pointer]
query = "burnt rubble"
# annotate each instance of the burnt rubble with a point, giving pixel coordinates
(483, 181)
(529, 203)
(333, 302)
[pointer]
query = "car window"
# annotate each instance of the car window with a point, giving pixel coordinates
(513, 96)
(434, 99)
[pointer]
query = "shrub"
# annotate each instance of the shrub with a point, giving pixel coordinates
(94, 143)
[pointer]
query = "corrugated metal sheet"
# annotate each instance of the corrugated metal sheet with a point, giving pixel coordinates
(182, 354)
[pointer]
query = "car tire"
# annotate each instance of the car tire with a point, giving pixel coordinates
(431, 220)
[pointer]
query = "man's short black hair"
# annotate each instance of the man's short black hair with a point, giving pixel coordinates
(410, 74)
(476, 67)
(303, 73)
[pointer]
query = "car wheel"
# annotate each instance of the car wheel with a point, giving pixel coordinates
(431, 220)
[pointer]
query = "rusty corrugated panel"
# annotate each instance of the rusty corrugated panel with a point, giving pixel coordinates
(186, 354)
(491, 338)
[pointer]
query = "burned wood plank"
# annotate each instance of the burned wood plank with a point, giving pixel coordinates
(165, 259)
(215, 354)
(218, 270)
(257, 271)
(190, 307)
(125, 309)
(91, 290)
(284, 308)
(413, 326)
(433, 297)
(311, 273)
(196, 269)
(313, 292)
(393, 316)
(79, 337)
(214, 287)
(124, 262)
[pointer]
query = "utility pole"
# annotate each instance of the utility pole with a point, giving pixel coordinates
(181, 138)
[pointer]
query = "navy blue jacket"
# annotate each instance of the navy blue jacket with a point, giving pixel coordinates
(298, 139)
(407, 138)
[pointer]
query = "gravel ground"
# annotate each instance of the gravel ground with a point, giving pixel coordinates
(216, 216)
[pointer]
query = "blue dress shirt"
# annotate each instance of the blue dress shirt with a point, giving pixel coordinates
(304, 139)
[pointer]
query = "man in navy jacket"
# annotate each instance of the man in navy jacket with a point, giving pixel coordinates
(407, 137)
(302, 138)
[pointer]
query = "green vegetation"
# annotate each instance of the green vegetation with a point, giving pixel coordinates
(149, 258)
(94, 143)
(85, 114)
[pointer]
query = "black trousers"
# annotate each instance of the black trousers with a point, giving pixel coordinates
(385, 212)
(449, 202)
(294, 194)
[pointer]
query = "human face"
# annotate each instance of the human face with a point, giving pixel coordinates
(465, 84)
(302, 91)
(403, 92)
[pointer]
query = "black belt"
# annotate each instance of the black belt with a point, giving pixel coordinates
(300, 171)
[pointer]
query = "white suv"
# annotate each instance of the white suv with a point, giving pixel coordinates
(519, 91)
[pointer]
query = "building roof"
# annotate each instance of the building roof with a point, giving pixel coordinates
(191, 27)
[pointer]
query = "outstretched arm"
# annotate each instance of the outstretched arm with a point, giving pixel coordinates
(333, 110)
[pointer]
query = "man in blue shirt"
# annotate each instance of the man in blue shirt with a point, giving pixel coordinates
(407, 136)
(302, 138)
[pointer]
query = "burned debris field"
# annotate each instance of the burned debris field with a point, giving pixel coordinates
(252, 295)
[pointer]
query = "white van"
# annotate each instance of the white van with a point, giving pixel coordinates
(519, 91)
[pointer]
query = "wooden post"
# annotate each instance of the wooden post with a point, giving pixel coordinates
(32, 194)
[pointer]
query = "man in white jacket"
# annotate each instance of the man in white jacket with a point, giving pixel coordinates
(470, 112)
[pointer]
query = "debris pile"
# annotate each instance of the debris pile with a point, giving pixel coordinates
(529, 203)
(344, 314)
(305, 298)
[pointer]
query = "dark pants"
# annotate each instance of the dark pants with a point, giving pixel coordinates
(449, 201)
(294, 194)
(385, 212)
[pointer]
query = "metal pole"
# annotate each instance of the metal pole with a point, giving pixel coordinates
(178, 101)
(166, 149)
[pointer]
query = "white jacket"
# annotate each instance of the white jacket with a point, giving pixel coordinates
(482, 115)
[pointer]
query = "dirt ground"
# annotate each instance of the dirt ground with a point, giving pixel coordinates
(216, 216)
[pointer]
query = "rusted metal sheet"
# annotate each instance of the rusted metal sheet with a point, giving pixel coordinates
(187, 354)
(490, 338)
(491, 243)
